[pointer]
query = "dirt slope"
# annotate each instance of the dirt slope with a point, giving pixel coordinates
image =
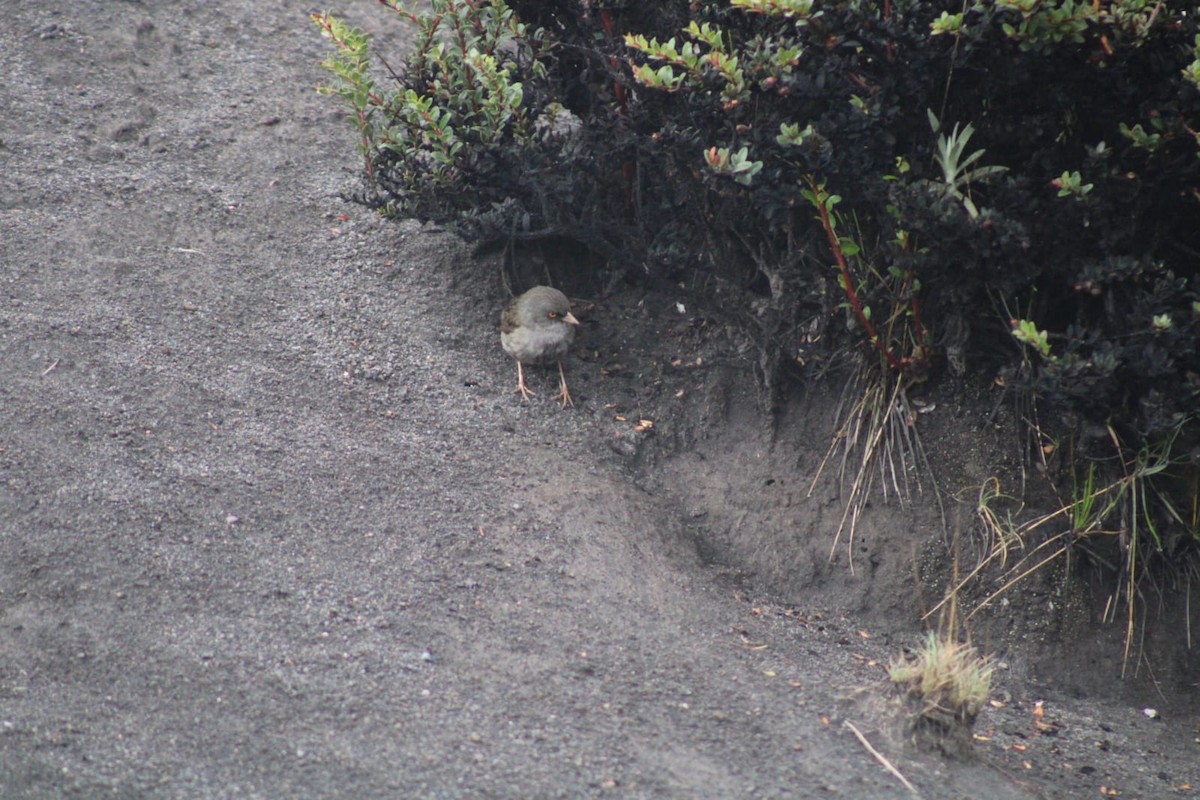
(273, 525)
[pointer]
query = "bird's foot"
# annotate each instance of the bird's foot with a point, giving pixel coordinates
(563, 395)
(522, 389)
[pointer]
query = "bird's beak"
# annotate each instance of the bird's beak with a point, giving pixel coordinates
(570, 318)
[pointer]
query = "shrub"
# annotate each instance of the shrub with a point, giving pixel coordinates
(457, 115)
(997, 189)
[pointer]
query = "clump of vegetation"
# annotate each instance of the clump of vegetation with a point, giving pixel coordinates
(1000, 192)
(945, 684)
(454, 118)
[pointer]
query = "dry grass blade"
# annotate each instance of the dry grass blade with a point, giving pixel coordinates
(1023, 575)
(1003, 534)
(880, 757)
(1006, 535)
(880, 430)
(1133, 509)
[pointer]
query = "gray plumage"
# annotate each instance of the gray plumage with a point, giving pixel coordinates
(538, 328)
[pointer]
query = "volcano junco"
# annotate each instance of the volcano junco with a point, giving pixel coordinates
(538, 328)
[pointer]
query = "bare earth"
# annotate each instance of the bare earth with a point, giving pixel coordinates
(273, 523)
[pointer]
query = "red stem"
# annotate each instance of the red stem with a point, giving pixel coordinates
(916, 310)
(847, 281)
(915, 301)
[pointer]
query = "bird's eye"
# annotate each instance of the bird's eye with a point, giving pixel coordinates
(552, 315)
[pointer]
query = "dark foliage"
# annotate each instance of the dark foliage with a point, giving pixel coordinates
(1111, 273)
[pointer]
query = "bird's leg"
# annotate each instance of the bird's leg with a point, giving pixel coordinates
(525, 391)
(563, 394)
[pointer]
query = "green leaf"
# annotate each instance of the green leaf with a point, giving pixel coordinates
(933, 120)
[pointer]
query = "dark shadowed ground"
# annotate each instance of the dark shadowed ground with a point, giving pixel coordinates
(273, 524)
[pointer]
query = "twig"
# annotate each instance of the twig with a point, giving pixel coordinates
(880, 757)
(50, 368)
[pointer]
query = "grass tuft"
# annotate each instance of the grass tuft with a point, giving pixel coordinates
(945, 683)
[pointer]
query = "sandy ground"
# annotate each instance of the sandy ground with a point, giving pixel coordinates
(273, 524)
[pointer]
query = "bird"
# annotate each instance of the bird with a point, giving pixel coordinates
(538, 328)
